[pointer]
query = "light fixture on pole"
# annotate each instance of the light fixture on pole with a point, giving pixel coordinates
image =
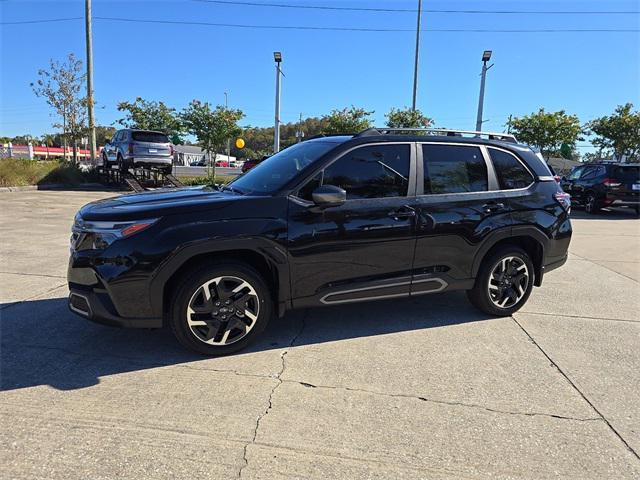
(486, 56)
(277, 56)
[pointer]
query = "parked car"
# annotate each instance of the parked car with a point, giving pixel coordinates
(604, 184)
(250, 163)
(130, 148)
(328, 221)
(222, 163)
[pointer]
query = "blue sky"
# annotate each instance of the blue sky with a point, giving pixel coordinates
(584, 73)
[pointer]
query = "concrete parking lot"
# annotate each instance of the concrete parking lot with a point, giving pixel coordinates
(429, 388)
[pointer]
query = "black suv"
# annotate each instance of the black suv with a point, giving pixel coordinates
(604, 184)
(332, 220)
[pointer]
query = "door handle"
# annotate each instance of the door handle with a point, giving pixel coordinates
(404, 212)
(492, 207)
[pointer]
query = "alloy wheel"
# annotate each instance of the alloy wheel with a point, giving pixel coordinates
(223, 310)
(591, 204)
(508, 282)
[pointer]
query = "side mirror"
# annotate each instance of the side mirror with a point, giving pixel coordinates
(329, 196)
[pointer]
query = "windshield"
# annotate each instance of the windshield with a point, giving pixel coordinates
(274, 172)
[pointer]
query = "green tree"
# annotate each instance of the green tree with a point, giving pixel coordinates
(348, 120)
(407, 118)
(104, 134)
(151, 115)
(619, 132)
(547, 130)
(212, 127)
(61, 87)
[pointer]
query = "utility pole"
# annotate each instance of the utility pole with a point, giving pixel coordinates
(299, 132)
(226, 105)
(415, 66)
(277, 56)
(92, 127)
(486, 56)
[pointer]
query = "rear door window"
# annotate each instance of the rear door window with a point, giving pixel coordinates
(152, 137)
(510, 171)
(453, 169)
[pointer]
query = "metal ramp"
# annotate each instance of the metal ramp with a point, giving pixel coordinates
(141, 179)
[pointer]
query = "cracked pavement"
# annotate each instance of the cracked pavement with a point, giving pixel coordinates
(428, 389)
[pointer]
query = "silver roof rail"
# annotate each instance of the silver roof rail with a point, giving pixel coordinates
(447, 132)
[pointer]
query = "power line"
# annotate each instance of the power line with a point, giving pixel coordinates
(340, 29)
(50, 20)
(367, 29)
(412, 10)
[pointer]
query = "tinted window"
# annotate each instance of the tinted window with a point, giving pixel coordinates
(626, 174)
(153, 137)
(273, 173)
(511, 173)
(589, 172)
(371, 172)
(453, 169)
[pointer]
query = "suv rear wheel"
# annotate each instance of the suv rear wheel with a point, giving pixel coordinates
(504, 282)
(220, 308)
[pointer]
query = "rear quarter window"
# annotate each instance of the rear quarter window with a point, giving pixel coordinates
(510, 171)
(152, 137)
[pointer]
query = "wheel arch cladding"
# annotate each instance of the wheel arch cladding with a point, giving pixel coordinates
(529, 243)
(256, 260)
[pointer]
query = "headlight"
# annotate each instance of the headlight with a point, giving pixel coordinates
(88, 235)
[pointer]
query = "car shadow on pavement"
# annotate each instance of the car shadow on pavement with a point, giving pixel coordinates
(45, 344)
(605, 214)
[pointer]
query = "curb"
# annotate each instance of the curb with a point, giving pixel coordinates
(56, 186)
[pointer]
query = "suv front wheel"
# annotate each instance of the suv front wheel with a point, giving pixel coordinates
(220, 308)
(504, 282)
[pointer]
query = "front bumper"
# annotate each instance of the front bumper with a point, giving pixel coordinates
(96, 307)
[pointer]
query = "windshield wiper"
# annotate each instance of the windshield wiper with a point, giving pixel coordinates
(232, 189)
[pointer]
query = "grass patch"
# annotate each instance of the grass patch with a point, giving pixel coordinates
(193, 181)
(15, 172)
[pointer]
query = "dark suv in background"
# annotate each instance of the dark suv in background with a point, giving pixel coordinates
(383, 214)
(604, 184)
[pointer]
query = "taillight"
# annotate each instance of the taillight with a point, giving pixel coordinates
(557, 178)
(171, 150)
(131, 149)
(611, 182)
(564, 199)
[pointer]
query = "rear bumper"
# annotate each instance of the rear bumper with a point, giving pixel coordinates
(93, 306)
(164, 161)
(555, 263)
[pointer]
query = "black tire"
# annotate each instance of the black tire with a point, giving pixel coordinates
(122, 165)
(480, 297)
(105, 162)
(189, 286)
(591, 204)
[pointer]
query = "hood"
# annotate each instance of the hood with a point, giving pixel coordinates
(157, 203)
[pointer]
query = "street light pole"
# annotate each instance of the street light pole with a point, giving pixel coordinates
(277, 56)
(226, 106)
(415, 65)
(486, 56)
(92, 127)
